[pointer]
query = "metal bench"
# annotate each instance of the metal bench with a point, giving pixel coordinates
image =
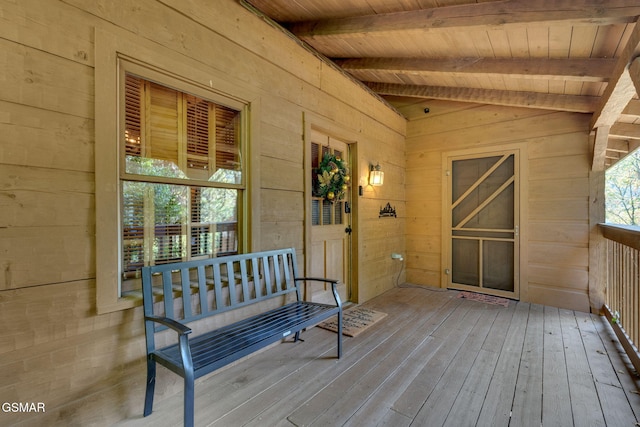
(179, 293)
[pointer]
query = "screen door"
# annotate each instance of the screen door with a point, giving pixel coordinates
(483, 216)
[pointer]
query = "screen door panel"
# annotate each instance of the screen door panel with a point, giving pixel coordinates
(483, 224)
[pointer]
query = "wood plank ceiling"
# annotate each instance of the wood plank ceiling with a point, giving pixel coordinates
(567, 55)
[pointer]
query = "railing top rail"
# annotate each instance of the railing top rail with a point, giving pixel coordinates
(626, 234)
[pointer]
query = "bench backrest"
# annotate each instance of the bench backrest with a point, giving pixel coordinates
(216, 285)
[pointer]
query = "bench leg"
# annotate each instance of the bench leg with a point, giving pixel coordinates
(339, 335)
(151, 385)
(188, 399)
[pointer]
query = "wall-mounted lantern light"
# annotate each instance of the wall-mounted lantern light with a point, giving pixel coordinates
(376, 176)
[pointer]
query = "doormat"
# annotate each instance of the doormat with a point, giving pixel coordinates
(354, 321)
(489, 299)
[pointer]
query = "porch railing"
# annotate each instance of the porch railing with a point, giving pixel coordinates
(221, 242)
(622, 297)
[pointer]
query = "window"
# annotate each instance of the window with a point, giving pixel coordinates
(181, 182)
(171, 153)
(324, 212)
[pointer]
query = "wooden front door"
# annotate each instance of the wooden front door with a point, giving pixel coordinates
(330, 224)
(482, 223)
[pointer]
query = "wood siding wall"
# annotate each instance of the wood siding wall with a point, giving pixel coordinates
(54, 348)
(555, 231)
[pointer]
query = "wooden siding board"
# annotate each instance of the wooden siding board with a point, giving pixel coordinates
(43, 80)
(559, 188)
(569, 233)
(280, 205)
(560, 167)
(36, 137)
(551, 276)
(72, 259)
(281, 143)
(281, 174)
(558, 296)
(565, 144)
(439, 121)
(27, 23)
(553, 210)
(511, 131)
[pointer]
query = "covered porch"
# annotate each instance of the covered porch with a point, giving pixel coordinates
(73, 337)
(436, 359)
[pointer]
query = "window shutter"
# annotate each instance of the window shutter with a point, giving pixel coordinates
(169, 214)
(201, 235)
(315, 155)
(132, 201)
(132, 126)
(227, 153)
(165, 132)
(197, 133)
(132, 228)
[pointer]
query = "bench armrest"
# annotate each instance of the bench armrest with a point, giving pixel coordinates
(334, 284)
(170, 323)
(318, 279)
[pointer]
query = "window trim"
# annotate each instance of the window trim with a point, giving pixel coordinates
(114, 55)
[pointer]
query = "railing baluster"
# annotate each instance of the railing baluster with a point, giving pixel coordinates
(622, 297)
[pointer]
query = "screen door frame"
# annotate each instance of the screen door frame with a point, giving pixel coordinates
(518, 151)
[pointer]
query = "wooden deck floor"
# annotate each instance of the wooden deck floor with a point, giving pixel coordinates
(434, 360)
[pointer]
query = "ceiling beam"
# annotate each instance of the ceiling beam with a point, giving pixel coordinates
(598, 162)
(484, 14)
(620, 89)
(580, 104)
(583, 70)
(634, 72)
(620, 154)
(617, 96)
(618, 146)
(632, 110)
(625, 131)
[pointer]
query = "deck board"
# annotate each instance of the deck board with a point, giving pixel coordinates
(434, 360)
(556, 399)
(527, 402)
(581, 385)
(496, 410)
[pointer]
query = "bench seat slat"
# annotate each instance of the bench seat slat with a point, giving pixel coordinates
(210, 351)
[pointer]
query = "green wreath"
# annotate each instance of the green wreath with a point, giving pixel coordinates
(332, 178)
